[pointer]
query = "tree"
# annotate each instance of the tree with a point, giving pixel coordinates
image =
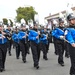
(27, 13)
(11, 22)
(5, 21)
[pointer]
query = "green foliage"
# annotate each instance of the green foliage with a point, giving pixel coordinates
(26, 13)
(5, 21)
(11, 22)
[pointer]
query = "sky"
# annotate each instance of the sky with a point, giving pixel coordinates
(43, 7)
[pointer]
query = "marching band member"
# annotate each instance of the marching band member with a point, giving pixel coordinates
(23, 44)
(9, 31)
(15, 38)
(70, 37)
(3, 48)
(59, 34)
(35, 45)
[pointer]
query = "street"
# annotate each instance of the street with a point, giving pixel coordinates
(50, 67)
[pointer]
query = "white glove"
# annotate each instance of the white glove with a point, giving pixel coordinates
(73, 44)
(3, 36)
(62, 37)
(66, 32)
(24, 37)
(37, 37)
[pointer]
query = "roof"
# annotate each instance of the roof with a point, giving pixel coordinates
(73, 8)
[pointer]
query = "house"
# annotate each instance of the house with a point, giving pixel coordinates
(56, 16)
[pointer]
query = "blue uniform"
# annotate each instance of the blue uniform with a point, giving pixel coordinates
(3, 51)
(23, 45)
(21, 34)
(9, 40)
(57, 33)
(15, 37)
(43, 39)
(7, 31)
(35, 46)
(32, 36)
(70, 35)
(44, 43)
(3, 40)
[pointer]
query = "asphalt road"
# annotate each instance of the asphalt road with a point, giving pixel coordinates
(50, 67)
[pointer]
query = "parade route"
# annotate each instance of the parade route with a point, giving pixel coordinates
(50, 67)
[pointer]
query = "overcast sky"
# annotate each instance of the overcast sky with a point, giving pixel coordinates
(43, 7)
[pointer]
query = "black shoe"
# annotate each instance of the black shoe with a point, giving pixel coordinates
(34, 65)
(45, 58)
(56, 53)
(1, 70)
(4, 69)
(17, 57)
(9, 54)
(28, 52)
(24, 61)
(67, 56)
(72, 74)
(37, 67)
(62, 64)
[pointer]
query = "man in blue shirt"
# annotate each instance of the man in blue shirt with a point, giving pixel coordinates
(70, 37)
(35, 45)
(59, 34)
(3, 48)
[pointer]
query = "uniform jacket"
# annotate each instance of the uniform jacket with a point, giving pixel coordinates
(8, 32)
(43, 39)
(70, 35)
(3, 40)
(15, 37)
(57, 32)
(32, 36)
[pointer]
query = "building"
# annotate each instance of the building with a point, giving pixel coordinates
(56, 16)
